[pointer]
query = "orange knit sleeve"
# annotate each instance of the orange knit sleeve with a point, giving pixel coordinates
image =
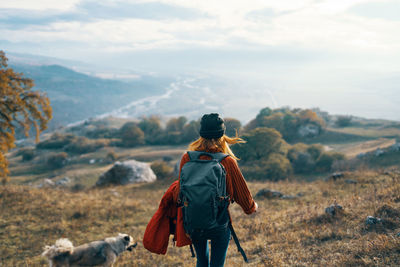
(237, 186)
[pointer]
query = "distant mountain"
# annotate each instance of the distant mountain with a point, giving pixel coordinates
(76, 96)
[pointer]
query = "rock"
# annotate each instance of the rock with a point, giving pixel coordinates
(115, 193)
(92, 161)
(379, 152)
(267, 193)
(395, 147)
(63, 182)
(371, 220)
(127, 172)
(309, 130)
(46, 183)
(350, 181)
(398, 234)
(336, 175)
(333, 210)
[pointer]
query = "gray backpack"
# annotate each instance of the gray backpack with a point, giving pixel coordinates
(202, 194)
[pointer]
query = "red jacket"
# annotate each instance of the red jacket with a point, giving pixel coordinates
(158, 230)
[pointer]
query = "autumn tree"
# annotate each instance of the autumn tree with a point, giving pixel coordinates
(20, 107)
(233, 126)
(260, 143)
(151, 128)
(131, 135)
(289, 122)
(263, 156)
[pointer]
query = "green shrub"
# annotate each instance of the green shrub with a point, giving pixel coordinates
(343, 121)
(233, 126)
(27, 154)
(191, 131)
(304, 157)
(111, 156)
(82, 145)
(287, 121)
(58, 160)
(315, 151)
(303, 163)
(295, 149)
(326, 160)
(131, 135)
(56, 141)
(277, 167)
(172, 138)
(102, 132)
(151, 128)
(260, 143)
(161, 169)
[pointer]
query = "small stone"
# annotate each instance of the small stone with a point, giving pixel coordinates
(46, 183)
(395, 147)
(336, 175)
(63, 182)
(379, 152)
(267, 193)
(333, 209)
(371, 220)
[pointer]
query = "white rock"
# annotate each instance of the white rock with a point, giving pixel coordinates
(127, 172)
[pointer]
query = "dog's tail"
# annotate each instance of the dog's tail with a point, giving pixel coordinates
(62, 247)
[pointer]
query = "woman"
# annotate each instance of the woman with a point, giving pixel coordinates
(213, 139)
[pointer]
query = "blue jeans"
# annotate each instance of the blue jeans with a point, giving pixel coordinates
(219, 246)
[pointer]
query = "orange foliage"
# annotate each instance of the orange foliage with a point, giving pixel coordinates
(19, 107)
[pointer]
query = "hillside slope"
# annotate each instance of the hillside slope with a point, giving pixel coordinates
(76, 96)
(284, 232)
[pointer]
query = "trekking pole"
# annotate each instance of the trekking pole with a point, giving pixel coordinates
(240, 249)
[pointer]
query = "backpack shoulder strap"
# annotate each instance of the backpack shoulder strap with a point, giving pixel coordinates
(219, 156)
(194, 155)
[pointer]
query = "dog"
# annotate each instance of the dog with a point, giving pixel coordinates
(96, 253)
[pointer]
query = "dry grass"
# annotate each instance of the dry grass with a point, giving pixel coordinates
(283, 233)
(373, 132)
(79, 168)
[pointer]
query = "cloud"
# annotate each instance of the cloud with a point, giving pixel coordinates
(386, 10)
(147, 10)
(39, 4)
(88, 11)
(306, 27)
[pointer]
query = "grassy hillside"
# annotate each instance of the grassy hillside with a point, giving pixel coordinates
(76, 96)
(285, 232)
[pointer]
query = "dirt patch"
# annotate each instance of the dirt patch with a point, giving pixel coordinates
(353, 150)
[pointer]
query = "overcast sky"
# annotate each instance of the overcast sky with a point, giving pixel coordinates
(317, 48)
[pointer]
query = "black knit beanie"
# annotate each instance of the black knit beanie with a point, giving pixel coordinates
(212, 126)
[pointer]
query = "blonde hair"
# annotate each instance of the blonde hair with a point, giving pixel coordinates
(216, 145)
